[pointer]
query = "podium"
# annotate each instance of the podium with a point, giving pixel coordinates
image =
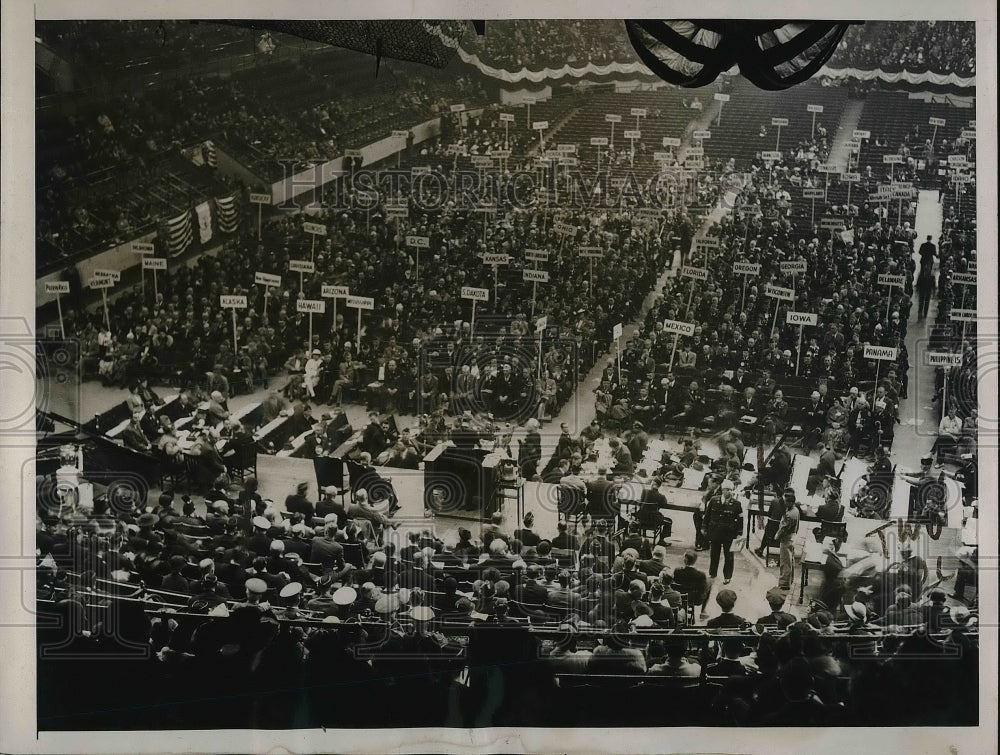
(456, 483)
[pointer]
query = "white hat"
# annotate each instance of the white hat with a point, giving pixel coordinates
(290, 590)
(345, 596)
(261, 522)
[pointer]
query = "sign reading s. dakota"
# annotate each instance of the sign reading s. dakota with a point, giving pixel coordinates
(476, 294)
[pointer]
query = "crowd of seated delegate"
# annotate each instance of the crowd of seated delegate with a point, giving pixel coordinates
(249, 575)
(733, 354)
(940, 47)
(127, 134)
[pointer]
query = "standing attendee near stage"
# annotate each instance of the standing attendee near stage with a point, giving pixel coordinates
(531, 450)
(299, 503)
(785, 537)
(722, 523)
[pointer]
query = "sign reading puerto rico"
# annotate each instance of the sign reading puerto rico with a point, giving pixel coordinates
(886, 353)
(802, 318)
(678, 327)
(57, 287)
(233, 302)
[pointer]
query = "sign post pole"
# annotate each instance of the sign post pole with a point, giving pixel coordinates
(260, 199)
(62, 329)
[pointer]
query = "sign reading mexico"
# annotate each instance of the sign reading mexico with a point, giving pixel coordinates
(236, 302)
(678, 327)
(888, 353)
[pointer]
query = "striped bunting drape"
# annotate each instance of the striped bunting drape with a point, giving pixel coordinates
(227, 214)
(178, 233)
(771, 54)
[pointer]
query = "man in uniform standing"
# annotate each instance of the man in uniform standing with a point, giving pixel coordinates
(785, 535)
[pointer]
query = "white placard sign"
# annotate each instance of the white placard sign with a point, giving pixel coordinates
(154, 263)
(316, 229)
(616, 331)
(361, 302)
(233, 302)
(142, 247)
(942, 359)
(964, 315)
(678, 327)
(701, 134)
(671, 141)
(779, 292)
(793, 266)
(721, 97)
(495, 258)
(259, 198)
(101, 282)
(266, 279)
(335, 292)
(802, 318)
(779, 121)
(536, 276)
(317, 306)
(886, 353)
(888, 279)
(862, 133)
(696, 273)
(612, 118)
(57, 287)
(598, 141)
(813, 193)
(506, 117)
(112, 275)
(539, 125)
(814, 108)
(301, 266)
(746, 268)
(421, 242)
(476, 294)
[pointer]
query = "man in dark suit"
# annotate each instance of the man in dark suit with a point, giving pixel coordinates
(813, 421)
(727, 619)
(691, 581)
(602, 496)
